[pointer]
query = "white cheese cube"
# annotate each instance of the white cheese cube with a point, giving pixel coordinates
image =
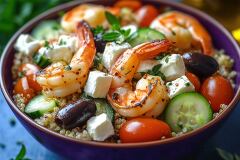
(98, 84)
(172, 67)
(178, 86)
(111, 53)
(63, 50)
(100, 127)
(27, 45)
(147, 65)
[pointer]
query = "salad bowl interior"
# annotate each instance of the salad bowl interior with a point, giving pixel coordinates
(84, 149)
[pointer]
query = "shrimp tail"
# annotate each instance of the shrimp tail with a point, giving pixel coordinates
(153, 49)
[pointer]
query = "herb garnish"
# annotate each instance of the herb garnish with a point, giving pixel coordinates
(97, 61)
(115, 33)
(47, 45)
(161, 56)
(21, 154)
(226, 155)
(62, 42)
(68, 68)
(155, 72)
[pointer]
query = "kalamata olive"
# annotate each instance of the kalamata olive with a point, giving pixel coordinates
(99, 43)
(200, 64)
(75, 114)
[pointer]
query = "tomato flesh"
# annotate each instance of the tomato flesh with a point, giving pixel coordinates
(146, 15)
(217, 90)
(22, 87)
(143, 130)
(194, 80)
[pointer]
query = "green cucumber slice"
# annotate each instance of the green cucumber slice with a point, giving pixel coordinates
(145, 35)
(49, 29)
(39, 105)
(104, 107)
(187, 112)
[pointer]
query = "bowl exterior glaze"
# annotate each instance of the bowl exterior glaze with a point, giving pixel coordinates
(174, 148)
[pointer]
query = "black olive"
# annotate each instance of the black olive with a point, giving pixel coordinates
(201, 65)
(99, 43)
(75, 114)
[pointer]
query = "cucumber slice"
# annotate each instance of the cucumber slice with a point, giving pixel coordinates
(104, 107)
(49, 29)
(39, 105)
(41, 60)
(145, 35)
(187, 112)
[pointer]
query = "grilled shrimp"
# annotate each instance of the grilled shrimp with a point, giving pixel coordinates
(93, 14)
(150, 96)
(183, 29)
(61, 79)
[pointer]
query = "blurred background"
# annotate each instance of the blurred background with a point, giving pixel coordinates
(15, 13)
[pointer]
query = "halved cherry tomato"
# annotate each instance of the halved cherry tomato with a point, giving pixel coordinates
(132, 4)
(194, 80)
(22, 87)
(146, 15)
(143, 130)
(29, 70)
(217, 90)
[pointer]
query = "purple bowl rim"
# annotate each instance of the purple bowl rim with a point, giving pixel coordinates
(114, 145)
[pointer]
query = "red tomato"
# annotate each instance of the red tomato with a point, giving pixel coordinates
(194, 80)
(146, 15)
(132, 4)
(30, 70)
(143, 130)
(217, 90)
(22, 87)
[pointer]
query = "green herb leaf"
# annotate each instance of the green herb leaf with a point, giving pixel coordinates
(113, 21)
(21, 153)
(111, 36)
(98, 30)
(156, 68)
(225, 155)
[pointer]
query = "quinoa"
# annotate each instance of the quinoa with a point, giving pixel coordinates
(48, 119)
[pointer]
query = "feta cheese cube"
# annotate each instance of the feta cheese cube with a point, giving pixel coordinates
(172, 67)
(27, 45)
(112, 52)
(63, 50)
(98, 84)
(146, 65)
(100, 127)
(178, 86)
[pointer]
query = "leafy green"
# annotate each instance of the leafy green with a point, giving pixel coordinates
(21, 154)
(155, 72)
(15, 13)
(227, 155)
(115, 33)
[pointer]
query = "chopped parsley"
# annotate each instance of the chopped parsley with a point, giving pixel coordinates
(62, 42)
(187, 84)
(47, 45)
(160, 57)
(97, 62)
(167, 59)
(155, 72)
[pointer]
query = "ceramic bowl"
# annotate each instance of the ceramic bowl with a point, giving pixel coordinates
(172, 148)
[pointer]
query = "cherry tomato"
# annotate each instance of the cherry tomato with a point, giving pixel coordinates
(143, 130)
(29, 70)
(194, 80)
(22, 87)
(146, 15)
(217, 90)
(132, 4)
